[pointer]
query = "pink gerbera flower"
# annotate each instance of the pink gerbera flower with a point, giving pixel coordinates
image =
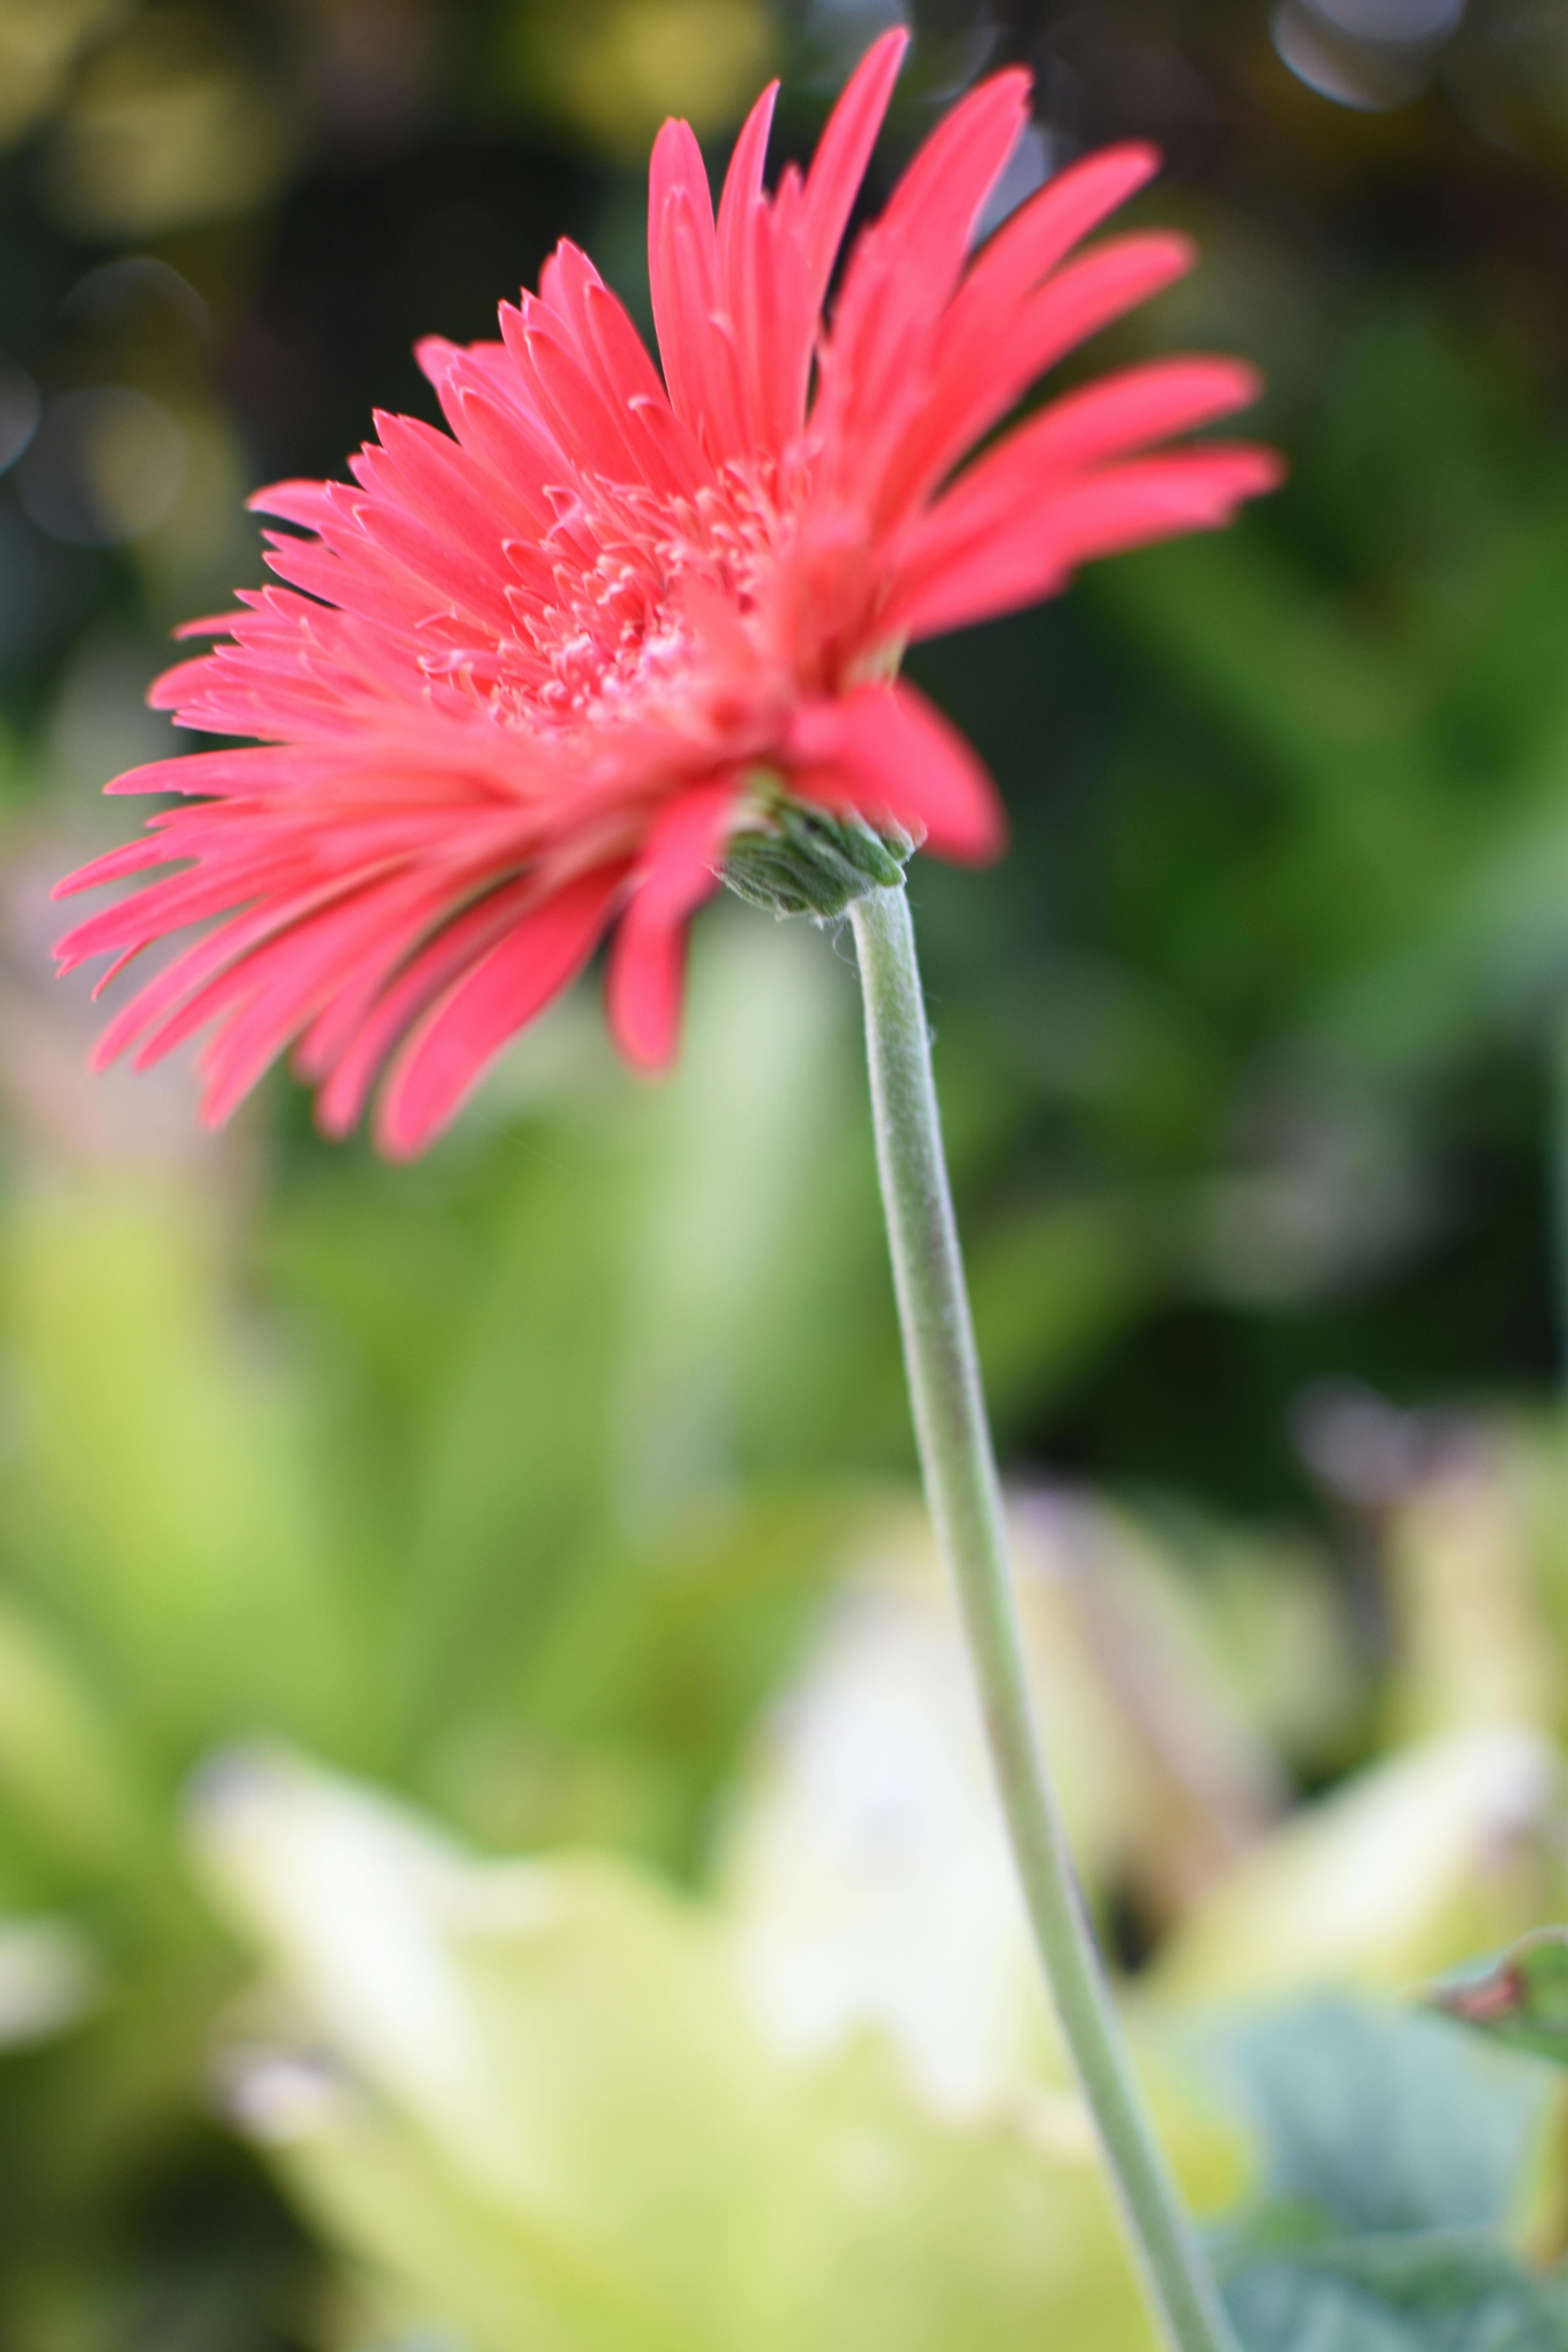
(530, 680)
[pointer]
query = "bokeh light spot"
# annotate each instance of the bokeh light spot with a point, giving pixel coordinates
(18, 411)
(105, 465)
(118, 290)
(616, 67)
(163, 129)
(1367, 75)
(38, 39)
(1395, 21)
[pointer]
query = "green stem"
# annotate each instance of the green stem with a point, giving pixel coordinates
(965, 1499)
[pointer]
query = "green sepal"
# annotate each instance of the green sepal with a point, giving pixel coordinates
(795, 860)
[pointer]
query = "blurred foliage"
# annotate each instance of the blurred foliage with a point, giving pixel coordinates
(495, 2132)
(1370, 2230)
(521, 1484)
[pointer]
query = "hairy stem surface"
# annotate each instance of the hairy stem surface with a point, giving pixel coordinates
(965, 1500)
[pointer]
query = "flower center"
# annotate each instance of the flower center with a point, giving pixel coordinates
(656, 608)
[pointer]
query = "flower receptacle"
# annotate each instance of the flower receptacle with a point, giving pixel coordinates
(792, 859)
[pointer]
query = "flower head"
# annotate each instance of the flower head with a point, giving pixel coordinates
(527, 679)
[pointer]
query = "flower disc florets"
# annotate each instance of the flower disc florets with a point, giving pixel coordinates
(520, 679)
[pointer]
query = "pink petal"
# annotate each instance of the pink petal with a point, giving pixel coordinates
(978, 377)
(446, 1055)
(698, 356)
(196, 967)
(346, 1045)
(298, 502)
(904, 268)
(1112, 418)
(764, 290)
(931, 216)
(451, 488)
(742, 190)
(647, 959)
(200, 772)
(1044, 231)
(887, 753)
(280, 975)
(842, 154)
(1128, 506)
(1140, 405)
(573, 404)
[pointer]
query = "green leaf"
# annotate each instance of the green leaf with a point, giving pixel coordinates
(530, 2101)
(1384, 2121)
(1395, 2154)
(1436, 2292)
(1520, 1996)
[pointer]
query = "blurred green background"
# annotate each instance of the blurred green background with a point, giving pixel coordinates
(518, 1482)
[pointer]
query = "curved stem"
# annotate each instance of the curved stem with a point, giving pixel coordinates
(965, 1499)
